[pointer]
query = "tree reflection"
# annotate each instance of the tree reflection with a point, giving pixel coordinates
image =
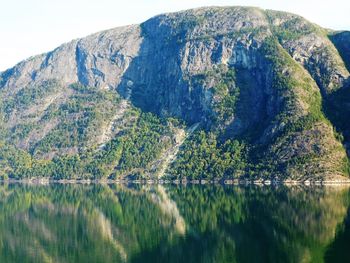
(101, 223)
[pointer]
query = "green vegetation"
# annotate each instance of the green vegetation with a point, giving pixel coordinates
(133, 152)
(130, 153)
(225, 92)
(292, 27)
(13, 161)
(77, 123)
(300, 116)
(115, 223)
(337, 109)
(290, 80)
(78, 224)
(144, 143)
(80, 119)
(202, 156)
(239, 77)
(287, 220)
(225, 97)
(25, 97)
(74, 139)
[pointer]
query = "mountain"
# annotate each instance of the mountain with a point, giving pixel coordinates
(217, 92)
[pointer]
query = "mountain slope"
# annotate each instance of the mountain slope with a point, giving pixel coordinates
(263, 85)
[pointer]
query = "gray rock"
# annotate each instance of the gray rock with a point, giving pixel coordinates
(173, 63)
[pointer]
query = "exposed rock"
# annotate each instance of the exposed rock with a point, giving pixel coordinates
(243, 73)
(342, 42)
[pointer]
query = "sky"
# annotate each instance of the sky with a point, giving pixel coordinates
(31, 27)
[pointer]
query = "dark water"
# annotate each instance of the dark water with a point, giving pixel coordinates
(100, 223)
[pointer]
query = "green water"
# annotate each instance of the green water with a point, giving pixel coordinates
(101, 223)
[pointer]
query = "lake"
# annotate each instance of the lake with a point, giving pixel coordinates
(165, 223)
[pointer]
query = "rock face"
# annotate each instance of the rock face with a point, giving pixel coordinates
(98, 60)
(178, 47)
(342, 41)
(243, 73)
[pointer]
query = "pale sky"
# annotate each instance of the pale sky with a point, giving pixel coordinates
(31, 27)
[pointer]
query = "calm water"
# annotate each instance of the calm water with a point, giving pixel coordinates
(75, 223)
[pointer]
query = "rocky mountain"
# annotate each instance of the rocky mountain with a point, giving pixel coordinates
(220, 92)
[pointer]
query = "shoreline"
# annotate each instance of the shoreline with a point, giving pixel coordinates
(267, 182)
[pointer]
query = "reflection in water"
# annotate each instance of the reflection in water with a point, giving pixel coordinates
(339, 250)
(100, 223)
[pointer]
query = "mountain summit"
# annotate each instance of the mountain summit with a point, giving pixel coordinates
(217, 92)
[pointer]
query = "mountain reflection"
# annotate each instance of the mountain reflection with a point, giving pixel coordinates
(104, 223)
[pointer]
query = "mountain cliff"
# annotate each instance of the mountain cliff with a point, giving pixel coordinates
(220, 92)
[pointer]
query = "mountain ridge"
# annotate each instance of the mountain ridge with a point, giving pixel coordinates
(264, 85)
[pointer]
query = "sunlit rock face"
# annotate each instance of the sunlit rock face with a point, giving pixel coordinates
(163, 56)
(268, 78)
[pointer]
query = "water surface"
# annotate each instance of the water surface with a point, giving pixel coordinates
(117, 223)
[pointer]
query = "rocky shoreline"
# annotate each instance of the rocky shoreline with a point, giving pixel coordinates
(46, 181)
